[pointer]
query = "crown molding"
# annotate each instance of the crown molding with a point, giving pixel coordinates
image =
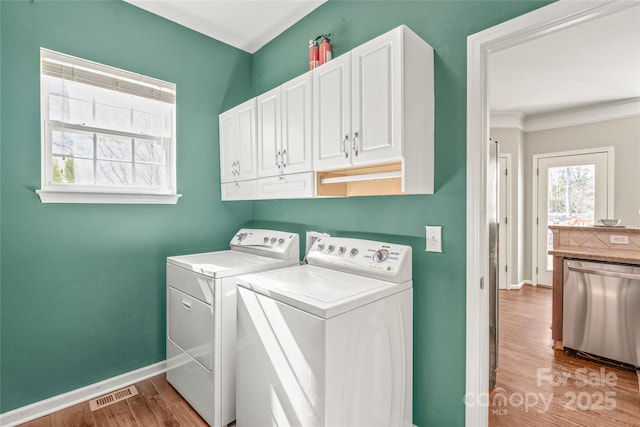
(507, 120)
(579, 116)
(570, 117)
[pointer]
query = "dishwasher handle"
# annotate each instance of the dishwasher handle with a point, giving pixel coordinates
(619, 275)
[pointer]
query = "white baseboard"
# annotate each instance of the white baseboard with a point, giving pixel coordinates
(65, 400)
(519, 285)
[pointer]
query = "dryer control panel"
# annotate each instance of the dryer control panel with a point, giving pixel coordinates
(379, 260)
(271, 243)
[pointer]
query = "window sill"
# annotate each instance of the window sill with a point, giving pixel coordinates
(48, 196)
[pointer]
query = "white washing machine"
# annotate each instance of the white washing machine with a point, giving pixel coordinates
(328, 343)
(201, 316)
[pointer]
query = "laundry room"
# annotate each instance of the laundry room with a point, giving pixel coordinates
(83, 281)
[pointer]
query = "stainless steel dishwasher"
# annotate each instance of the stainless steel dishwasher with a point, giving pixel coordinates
(601, 309)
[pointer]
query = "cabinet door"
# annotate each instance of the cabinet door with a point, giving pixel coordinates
(246, 144)
(376, 70)
(228, 123)
(296, 124)
(332, 114)
(269, 133)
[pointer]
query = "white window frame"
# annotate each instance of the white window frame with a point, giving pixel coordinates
(51, 192)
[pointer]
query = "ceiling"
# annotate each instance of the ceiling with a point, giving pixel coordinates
(594, 62)
(586, 64)
(245, 24)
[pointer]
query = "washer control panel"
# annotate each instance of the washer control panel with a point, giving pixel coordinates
(272, 243)
(385, 261)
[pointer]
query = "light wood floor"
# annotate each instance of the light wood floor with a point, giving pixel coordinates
(157, 404)
(525, 347)
(530, 371)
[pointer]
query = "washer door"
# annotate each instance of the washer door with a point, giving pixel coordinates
(191, 325)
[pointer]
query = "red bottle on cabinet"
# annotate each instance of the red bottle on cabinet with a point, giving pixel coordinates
(314, 54)
(325, 49)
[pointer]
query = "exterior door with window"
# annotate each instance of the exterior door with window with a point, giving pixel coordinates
(572, 189)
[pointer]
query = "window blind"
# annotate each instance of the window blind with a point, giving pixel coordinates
(82, 71)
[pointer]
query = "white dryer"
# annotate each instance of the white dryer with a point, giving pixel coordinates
(328, 343)
(201, 316)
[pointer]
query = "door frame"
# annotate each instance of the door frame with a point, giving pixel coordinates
(506, 228)
(535, 24)
(534, 194)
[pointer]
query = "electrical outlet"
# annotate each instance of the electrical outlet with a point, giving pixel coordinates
(618, 239)
(434, 238)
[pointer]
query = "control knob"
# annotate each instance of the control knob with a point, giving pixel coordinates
(380, 255)
(353, 252)
(342, 250)
(330, 248)
(280, 241)
(320, 246)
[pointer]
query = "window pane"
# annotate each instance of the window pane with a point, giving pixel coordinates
(111, 117)
(70, 110)
(69, 170)
(149, 124)
(150, 152)
(113, 173)
(150, 175)
(76, 144)
(113, 147)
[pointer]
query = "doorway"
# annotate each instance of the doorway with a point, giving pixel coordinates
(546, 20)
(570, 188)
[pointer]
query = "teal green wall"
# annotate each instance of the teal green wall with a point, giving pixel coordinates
(439, 279)
(83, 286)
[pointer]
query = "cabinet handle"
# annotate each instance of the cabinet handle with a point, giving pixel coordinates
(355, 143)
(284, 164)
(238, 161)
(186, 304)
(278, 160)
(344, 146)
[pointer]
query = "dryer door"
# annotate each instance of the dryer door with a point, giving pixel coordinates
(190, 325)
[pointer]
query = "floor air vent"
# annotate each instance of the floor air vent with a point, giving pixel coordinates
(116, 396)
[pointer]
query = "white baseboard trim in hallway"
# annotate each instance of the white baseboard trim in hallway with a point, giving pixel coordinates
(65, 400)
(517, 286)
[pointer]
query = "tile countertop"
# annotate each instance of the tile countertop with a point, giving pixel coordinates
(570, 245)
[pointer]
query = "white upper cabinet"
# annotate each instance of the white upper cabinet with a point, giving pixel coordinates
(284, 128)
(332, 113)
(238, 143)
(376, 97)
(360, 124)
(375, 105)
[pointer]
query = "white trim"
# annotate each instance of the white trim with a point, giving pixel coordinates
(507, 120)
(519, 285)
(610, 151)
(578, 116)
(65, 400)
(100, 197)
(507, 229)
(538, 23)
